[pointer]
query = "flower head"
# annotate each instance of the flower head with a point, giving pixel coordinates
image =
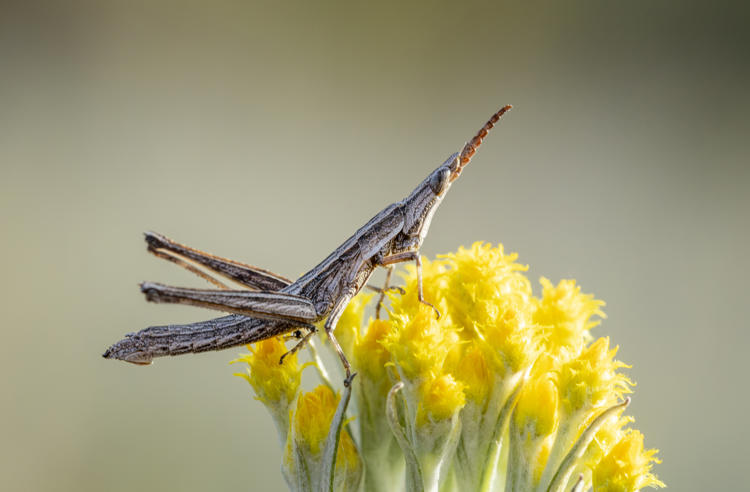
(348, 329)
(592, 380)
(627, 466)
(565, 315)
(312, 421)
(310, 432)
(273, 382)
(504, 391)
(440, 398)
(483, 283)
(474, 372)
(537, 412)
(370, 355)
(419, 344)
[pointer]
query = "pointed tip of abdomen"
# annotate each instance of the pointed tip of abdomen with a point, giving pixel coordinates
(128, 354)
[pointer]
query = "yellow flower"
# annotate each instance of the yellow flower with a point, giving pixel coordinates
(606, 437)
(440, 399)
(305, 452)
(536, 412)
(312, 419)
(535, 422)
(370, 356)
(627, 467)
(348, 328)
(510, 339)
(505, 391)
(419, 344)
(474, 373)
(481, 281)
(490, 300)
(565, 315)
(591, 381)
(273, 382)
(434, 285)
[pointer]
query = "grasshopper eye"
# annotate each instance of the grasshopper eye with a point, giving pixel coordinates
(439, 180)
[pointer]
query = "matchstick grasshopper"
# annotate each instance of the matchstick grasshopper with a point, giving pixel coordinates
(275, 305)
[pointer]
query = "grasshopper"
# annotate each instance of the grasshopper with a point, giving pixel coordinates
(275, 305)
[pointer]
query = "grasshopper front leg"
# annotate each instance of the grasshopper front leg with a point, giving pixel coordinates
(330, 326)
(410, 256)
(303, 340)
(386, 287)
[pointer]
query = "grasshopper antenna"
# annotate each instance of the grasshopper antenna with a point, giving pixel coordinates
(472, 145)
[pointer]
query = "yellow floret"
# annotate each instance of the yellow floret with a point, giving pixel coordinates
(606, 437)
(481, 279)
(473, 371)
(565, 314)
(434, 284)
(591, 380)
(313, 417)
(370, 356)
(536, 411)
(420, 344)
(348, 328)
(627, 467)
(510, 336)
(440, 399)
(272, 382)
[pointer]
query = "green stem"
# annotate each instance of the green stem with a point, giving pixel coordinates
(414, 481)
(493, 453)
(332, 442)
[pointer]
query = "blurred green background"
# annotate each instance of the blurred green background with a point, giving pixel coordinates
(269, 131)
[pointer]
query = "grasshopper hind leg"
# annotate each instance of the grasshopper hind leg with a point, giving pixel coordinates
(330, 326)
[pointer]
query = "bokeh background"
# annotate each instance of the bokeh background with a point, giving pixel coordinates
(269, 131)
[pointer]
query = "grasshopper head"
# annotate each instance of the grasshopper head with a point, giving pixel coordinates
(421, 204)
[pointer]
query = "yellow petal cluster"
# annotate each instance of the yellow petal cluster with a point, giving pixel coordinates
(536, 413)
(483, 284)
(312, 420)
(419, 344)
(441, 397)
(491, 302)
(306, 449)
(435, 287)
(627, 467)
(475, 374)
(606, 437)
(565, 315)
(591, 380)
(370, 356)
(350, 324)
(535, 419)
(273, 382)
(486, 330)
